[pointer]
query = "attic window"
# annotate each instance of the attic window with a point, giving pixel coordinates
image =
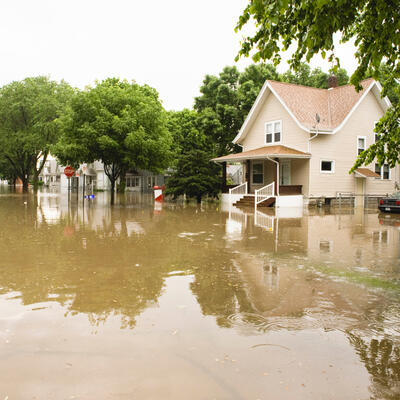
(361, 140)
(273, 132)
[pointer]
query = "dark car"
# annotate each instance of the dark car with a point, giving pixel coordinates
(390, 204)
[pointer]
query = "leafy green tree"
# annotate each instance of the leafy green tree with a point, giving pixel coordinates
(119, 123)
(310, 26)
(29, 113)
(315, 78)
(195, 176)
(226, 100)
(392, 85)
(7, 171)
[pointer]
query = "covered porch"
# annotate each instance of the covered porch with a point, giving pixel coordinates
(269, 171)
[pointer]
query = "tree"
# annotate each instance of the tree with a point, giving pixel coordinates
(315, 78)
(29, 113)
(119, 123)
(310, 26)
(195, 175)
(226, 100)
(7, 171)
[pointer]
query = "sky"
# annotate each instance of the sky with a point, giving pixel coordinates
(169, 45)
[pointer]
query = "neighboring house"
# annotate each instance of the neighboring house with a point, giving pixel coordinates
(143, 181)
(94, 177)
(51, 172)
(307, 140)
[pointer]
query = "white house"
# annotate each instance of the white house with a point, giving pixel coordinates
(299, 144)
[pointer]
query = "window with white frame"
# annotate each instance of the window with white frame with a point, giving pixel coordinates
(258, 173)
(327, 166)
(151, 181)
(132, 181)
(383, 171)
(273, 132)
(377, 136)
(361, 144)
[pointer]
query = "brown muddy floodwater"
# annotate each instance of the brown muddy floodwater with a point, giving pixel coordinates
(187, 302)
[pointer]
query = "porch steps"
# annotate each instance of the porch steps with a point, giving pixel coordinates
(248, 201)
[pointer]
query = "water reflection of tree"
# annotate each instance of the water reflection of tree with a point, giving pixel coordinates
(381, 358)
(87, 271)
(220, 291)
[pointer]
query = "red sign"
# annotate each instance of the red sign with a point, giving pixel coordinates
(69, 171)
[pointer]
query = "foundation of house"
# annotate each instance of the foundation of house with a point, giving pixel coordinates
(280, 201)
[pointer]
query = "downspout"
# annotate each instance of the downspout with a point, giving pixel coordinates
(277, 174)
(311, 138)
(309, 166)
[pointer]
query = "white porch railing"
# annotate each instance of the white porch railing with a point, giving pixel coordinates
(240, 189)
(263, 194)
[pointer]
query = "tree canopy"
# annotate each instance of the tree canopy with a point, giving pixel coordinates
(119, 123)
(194, 175)
(309, 28)
(29, 124)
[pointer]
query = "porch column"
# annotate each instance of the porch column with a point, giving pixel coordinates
(224, 188)
(248, 173)
(276, 176)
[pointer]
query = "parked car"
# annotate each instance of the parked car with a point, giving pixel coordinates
(390, 204)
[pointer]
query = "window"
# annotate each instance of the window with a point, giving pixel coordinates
(258, 173)
(327, 166)
(151, 181)
(361, 144)
(132, 181)
(273, 132)
(377, 137)
(383, 171)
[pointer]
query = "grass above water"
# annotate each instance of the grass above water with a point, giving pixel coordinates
(360, 278)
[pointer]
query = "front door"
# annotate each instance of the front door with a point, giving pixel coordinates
(284, 172)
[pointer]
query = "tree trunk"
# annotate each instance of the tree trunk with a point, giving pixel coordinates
(37, 171)
(35, 181)
(112, 191)
(198, 198)
(25, 182)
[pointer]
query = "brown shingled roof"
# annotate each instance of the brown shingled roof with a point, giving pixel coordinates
(367, 173)
(278, 151)
(332, 105)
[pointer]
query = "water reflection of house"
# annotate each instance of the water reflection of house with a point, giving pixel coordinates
(344, 240)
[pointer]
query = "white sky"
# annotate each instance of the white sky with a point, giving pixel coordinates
(170, 45)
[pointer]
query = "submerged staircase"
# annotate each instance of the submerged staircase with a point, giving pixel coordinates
(248, 201)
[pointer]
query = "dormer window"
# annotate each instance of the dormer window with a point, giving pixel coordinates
(273, 132)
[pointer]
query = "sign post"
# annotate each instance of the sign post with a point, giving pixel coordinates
(69, 172)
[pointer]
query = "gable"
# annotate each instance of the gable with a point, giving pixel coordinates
(305, 104)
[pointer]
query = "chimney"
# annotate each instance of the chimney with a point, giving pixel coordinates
(332, 81)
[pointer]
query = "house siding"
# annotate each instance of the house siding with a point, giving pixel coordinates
(271, 110)
(342, 149)
(299, 170)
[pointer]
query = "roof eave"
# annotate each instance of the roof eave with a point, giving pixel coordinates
(385, 102)
(262, 157)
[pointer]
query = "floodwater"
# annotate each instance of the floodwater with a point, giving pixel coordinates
(184, 302)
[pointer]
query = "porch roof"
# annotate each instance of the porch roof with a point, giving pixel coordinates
(366, 173)
(277, 151)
